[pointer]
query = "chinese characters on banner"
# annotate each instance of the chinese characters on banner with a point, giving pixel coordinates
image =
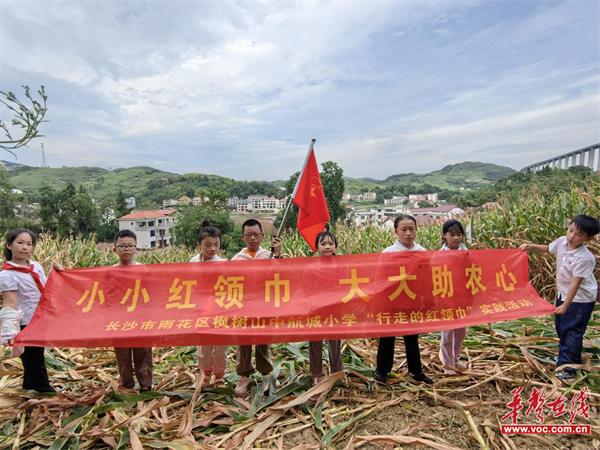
(285, 300)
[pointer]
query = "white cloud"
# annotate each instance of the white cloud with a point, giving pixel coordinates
(238, 89)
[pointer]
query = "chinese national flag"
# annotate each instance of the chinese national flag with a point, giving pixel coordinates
(310, 199)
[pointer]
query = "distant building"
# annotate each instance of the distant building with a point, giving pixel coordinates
(256, 203)
(378, 216)
(363, 197)
(242, 206)
(395, 201)
(153, 228)
(434, 197)
(425, 216)
(232, 202)
(169, 203)
(184, 200)
(130, 203)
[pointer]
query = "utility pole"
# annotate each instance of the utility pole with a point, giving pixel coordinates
(44, 164)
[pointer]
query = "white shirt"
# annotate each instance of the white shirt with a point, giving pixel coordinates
(461, 246)
(200, 258)
(261, 253)
(28, 294)
(398, 247)
(574, 263)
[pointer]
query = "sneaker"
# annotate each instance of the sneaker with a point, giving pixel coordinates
(242, 386)
(316, 380)
(145, 388)
(219, 382)
(566, 375)
(380, 377)
(421, 377)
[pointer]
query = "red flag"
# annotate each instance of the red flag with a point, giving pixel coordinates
(310, 199)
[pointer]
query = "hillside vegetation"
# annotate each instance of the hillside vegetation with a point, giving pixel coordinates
(150, 186)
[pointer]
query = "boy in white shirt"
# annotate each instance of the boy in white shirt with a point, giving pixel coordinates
(130, 359)
(577, 289)
(252, 235)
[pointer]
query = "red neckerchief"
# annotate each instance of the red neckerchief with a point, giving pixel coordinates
(30, 270)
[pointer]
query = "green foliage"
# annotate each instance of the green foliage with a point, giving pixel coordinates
(149, 186)
(546, 182)
(8, 219)
(468, 175)
(332, 179)
(26, 118)
(120, 205)
(106, 231)
(68, 212)
(189, 220)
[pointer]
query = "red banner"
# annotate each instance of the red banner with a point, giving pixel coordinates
(284, 300)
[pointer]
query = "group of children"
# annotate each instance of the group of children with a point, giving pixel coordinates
(22, 282)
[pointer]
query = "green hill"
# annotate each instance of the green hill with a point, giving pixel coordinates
(151, 186)
(467, 175)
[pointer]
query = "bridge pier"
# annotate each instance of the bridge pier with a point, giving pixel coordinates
(587, 157)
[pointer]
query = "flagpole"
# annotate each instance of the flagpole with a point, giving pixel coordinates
(291, 196)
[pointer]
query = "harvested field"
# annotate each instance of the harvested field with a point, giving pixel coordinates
(343, 411)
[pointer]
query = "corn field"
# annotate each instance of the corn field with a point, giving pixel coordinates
(345, 410)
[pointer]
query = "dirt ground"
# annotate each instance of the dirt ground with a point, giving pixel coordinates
(345, 411)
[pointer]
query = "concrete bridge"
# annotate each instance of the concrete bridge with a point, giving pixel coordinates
(587, 156)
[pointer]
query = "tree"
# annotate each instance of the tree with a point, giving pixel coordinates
(121, 205)
(332, 178)
(189, 220)
(48, 209)
(88, 219)
(8, 219)
(68, 212)
(26, 118)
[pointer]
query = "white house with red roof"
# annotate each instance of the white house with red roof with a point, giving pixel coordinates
(153, 228)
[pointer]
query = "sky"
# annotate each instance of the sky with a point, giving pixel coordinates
(238, 89)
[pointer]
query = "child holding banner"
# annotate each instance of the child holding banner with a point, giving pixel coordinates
(125, 246)
(577, 290)
(22, 283)
(326, 244)
(406, 230)
(252, 235)
(212, 359)
(451, 341)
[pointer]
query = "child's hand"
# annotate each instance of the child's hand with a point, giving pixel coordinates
(523, 247)
(560, 310)
(57, 266)
(276, 247)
